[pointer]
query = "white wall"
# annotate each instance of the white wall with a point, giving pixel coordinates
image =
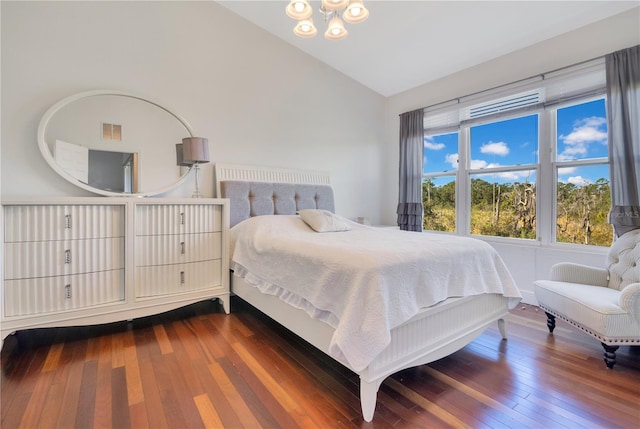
(257, 99)
(526, 262)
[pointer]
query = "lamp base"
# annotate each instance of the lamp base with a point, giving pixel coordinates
(197, 193)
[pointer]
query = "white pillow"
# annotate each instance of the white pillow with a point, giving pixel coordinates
(323, 220)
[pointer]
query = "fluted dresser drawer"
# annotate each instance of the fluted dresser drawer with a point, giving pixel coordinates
(55, 258)
(178, 278)
(62, 222)
(54, 294)
(174, 249)
(172, 219)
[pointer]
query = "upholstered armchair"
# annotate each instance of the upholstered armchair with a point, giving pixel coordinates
(603, 302)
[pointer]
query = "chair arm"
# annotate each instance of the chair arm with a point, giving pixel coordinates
(578, 273)
(630, 300)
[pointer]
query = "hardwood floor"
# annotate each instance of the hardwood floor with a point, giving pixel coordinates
(197, 367)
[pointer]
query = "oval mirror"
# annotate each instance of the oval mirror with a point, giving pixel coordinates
(114, 143)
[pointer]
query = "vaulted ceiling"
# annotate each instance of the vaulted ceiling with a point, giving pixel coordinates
(404, 44)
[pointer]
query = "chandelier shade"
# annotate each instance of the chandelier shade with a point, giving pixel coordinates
(333, 12)
(305, 28)
(355, 12)
(299, 9)
(335, 4)
(336, 30)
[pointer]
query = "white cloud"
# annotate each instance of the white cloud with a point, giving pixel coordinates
(495, 148)
(585, 132)
(576, 151)
(478, 164)
(508, 176)
(566, 170)
(431, 145)
(578, 181)
(452, 159)
(514, 175)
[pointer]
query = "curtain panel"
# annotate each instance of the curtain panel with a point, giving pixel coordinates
(410, 209)
(623, 112)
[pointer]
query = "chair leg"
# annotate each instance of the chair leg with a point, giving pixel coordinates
(551, 321)
(609, 355)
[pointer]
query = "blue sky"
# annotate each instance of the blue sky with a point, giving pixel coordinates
(581, 134)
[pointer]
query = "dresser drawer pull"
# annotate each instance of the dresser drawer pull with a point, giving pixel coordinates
(67, 221)
(67, 292)
(67, 256)
(181, 278)
(182, 247)
(181, 218)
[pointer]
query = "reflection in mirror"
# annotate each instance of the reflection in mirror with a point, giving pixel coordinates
(115, 142)
(111, 171)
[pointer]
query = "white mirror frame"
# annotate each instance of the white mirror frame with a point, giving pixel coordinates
(48, 156)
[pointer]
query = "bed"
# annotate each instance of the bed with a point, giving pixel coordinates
(370, 316)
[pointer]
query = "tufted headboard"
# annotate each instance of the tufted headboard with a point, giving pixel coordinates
(257, 191)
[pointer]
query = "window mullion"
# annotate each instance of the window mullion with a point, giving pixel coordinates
(546, 180)
(463, 194)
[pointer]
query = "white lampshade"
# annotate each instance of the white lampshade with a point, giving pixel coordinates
(334, 4)
(356, 12)
(305, 28)
(336, 30)
(299, 10)
(195, 150)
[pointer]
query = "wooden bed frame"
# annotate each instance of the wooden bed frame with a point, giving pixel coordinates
(435, 332)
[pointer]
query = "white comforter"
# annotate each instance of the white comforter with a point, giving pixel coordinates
(366, 281)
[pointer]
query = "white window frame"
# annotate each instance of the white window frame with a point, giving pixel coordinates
(570, 86)
(551, 236)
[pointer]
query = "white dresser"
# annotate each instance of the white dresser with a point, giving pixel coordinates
(83, 261)
(178, 248)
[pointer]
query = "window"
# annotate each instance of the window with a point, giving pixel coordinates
(439, 202)
(439, 182)
(583, 197)
(502, 168)
(528, 161)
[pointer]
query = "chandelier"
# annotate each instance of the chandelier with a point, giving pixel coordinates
(352, 11)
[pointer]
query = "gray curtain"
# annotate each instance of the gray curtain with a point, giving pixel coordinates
(623, 113)
(411, 152)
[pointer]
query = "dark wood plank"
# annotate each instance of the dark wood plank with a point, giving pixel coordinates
(51, 407)
(185, 386)
(102, 414)
(120, 415)
(33, 412)
(152, 398)
(169, 405)
(87, 398)
(244, 413)
(249, 396)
